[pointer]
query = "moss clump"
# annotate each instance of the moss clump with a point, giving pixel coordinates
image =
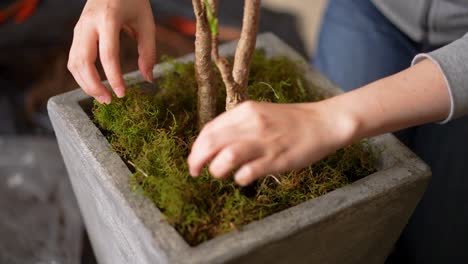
(153, 131)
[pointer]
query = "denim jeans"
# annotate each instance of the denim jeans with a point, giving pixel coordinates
(358, 45)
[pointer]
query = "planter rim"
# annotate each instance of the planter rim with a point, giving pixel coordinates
(398, 166)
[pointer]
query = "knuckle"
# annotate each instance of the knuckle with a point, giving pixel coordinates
(71, 66)
(107, 56)
(260, 122)
(282, 163)
(230, 155)
(82, 24)
(88, 13)
(110, 15)
(114, 81)
(75, 63)
(258, 119)
(109, 22)
(249, 106)
(76, 29)
(92, 90)
(78, 26)
(80, 63)
(209, 142)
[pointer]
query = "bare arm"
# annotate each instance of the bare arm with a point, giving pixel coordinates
(264, 143)
(412, 97)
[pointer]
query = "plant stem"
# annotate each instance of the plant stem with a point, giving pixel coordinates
(235, 76)
(203, 70)
(246, 47)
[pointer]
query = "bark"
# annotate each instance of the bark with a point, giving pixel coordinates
(246, 46)
(225, 68)
(204, 72)
(236, 77)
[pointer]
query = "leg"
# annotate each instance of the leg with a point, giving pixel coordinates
(358, 45)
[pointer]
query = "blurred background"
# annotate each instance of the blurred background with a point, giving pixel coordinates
(40, 221)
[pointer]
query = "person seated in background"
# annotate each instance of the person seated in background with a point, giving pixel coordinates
(383, 38)
(390, 93)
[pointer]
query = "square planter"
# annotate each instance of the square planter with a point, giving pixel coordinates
(358, 223)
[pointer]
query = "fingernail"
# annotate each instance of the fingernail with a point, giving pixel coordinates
(193, 173)
(149, 76)
(240, 177)
(103, 99)
(120, 92)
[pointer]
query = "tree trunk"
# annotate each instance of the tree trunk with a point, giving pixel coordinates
(203, 69)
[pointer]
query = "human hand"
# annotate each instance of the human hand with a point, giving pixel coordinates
(267, 138)
(98, 31)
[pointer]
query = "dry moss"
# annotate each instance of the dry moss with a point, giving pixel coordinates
(153, 131)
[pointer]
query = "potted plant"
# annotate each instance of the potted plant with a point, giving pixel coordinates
(355, 223)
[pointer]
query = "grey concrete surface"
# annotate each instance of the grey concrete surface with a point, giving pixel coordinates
(355, 224)
(39, 221)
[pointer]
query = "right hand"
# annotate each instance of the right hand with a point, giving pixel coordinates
(98, 32)
(257, 139)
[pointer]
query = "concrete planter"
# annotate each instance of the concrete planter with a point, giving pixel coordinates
(355, 224)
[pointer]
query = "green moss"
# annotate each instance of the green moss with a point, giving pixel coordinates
(153, 132)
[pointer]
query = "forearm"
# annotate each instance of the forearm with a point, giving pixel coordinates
(258, 139)
(412, 97)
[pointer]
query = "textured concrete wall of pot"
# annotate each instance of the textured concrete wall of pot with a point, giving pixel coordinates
(355, 224)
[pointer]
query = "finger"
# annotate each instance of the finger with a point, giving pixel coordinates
(81, 61)
(109, 46)
(146, 37)
(234, 156)
(203, 150)
(254, 170)
(79, 79)
(215, 135)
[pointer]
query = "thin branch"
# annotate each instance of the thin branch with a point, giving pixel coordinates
(274, 178)
(235, 76)
(247, 41)
(271, 87)
(225, 68)
(138, 169)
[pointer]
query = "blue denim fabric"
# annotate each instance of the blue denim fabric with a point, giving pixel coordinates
(358, 45)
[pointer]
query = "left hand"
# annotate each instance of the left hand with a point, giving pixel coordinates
(266, 138)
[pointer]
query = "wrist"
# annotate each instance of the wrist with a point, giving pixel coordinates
(341, 124)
